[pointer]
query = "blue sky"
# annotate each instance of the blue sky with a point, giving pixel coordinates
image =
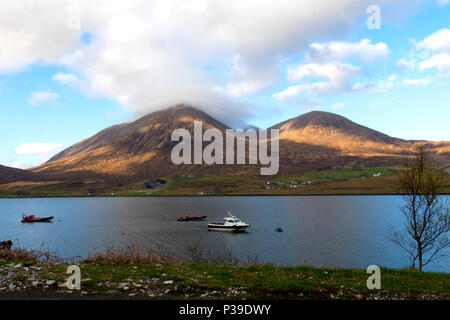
(60, 85)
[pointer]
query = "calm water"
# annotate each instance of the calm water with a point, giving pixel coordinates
(342, 231)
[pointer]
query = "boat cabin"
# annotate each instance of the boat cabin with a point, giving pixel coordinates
(232, 219)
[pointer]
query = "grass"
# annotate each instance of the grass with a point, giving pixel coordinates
(259, 282)
(337, 174)
(339, 180)
(107, 271)
(35, 256)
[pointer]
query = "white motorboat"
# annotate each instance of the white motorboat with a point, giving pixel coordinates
(231, 223)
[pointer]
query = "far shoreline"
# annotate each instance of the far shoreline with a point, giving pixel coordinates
(214, 195)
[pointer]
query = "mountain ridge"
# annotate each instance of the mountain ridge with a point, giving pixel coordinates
(141, 149)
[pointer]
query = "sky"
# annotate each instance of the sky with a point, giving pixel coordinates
(70, 68)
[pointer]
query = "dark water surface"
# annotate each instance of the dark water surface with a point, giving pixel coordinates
(341, 231)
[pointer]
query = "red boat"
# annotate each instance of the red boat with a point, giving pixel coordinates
(32, 218)
(187, 218)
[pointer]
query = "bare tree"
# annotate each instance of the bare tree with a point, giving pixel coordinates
(427, 218)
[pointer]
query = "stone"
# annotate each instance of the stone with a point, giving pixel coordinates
(112, 292)
(50, 282)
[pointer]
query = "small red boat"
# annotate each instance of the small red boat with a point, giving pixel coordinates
(32, 218)
(188, 218)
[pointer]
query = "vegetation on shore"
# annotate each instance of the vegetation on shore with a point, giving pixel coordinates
(147, 275)
(339, 180)
(201, 280)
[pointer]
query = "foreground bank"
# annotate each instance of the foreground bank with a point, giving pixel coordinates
(207, 281)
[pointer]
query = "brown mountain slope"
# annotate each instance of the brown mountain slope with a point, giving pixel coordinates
(132, 151)
(319, 139)
(141, 149)
(8, 174)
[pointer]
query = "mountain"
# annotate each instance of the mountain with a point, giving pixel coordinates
(139, 150)
(320, 139)
(131, 151)
(8, 174)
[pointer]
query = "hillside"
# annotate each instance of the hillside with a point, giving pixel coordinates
(322, 139)
(8, 174)
(132, 152)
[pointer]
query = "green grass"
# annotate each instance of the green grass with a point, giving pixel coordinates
(337, 174)
(259, 281)
(339, 180)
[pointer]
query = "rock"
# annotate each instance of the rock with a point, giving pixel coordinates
(50, 282)
(62, 285)
(112, 292)
(12, 286)
(168, 282)
(35, 283)
(154, 183)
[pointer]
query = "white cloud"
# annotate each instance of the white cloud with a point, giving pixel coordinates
(149, 54)
(439, 44)
(417, 82)
(438, 41)
(289, 93)
(32, 31)
(364, 86)
(338, 78)
(39, 152)
(439, 61)
(42, 96)
(20, 164)
(337, 106)
(443, 2)
(37, 148)
(240, 88)
(66, 78)
(337, 74)
(332, 51)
